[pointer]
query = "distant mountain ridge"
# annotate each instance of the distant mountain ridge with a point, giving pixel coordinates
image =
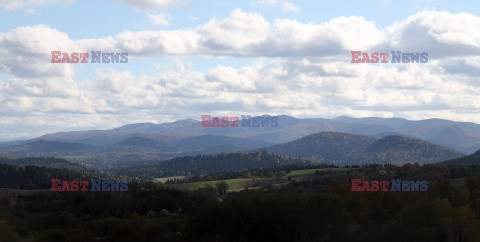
(46, 147)
(138, 143)
(134, 148)
(461, 136)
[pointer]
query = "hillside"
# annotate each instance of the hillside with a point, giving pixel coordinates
(129, 149)
(199, 142)
(329, 147)
(454, 136)
(398, 150)
(469, 160)
(343, 149)
(35, 177)
(40, 162)
(205, 164)
(141, 144)
(45, 148)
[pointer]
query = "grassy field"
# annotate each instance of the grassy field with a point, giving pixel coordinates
(23, 192)
(164, 179)
(457, 182)
(251, 183)
(233, 184)
(309, 172)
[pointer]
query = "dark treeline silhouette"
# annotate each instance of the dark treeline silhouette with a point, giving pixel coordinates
(34, 177)
(317, 207)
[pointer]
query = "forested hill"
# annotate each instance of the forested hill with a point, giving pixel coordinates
(51, 162)
(205, 164)
(34, 177)
(398, 150)
(330, 147)
(469, 160)
(351, 149)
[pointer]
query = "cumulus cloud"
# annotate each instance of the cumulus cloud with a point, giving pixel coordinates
(442, 34)
(250, 34)
(178, 91)
(26, 51)
(239, 31)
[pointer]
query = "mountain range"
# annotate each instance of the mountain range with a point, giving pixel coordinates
(321, 148)
(460, 136)
(148, 142)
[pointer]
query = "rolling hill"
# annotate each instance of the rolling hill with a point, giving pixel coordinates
(203, 141)
(205, 164)
(469, 160)
(135, 148)
(141, 144)
(40, 162)
(45, 148)
(343, 149)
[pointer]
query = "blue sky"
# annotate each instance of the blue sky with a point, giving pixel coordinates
(231, 58)
(96, 19)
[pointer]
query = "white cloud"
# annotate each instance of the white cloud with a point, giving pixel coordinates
(273, 86)
(30, 5)
(442, 34)
(159, 19)
(159, 43)
(288, 6)
(291, 37)
(239, 31)
(12, 4)
(250, 34)
(26, 51)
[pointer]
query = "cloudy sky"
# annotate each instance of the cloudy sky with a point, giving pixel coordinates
(193, 57)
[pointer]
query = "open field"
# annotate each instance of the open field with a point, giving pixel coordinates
(233, 184)
(239, 184)
(164, 179)
(308, 172)
(22, 192)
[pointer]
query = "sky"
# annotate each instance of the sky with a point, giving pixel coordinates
(188, 58)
